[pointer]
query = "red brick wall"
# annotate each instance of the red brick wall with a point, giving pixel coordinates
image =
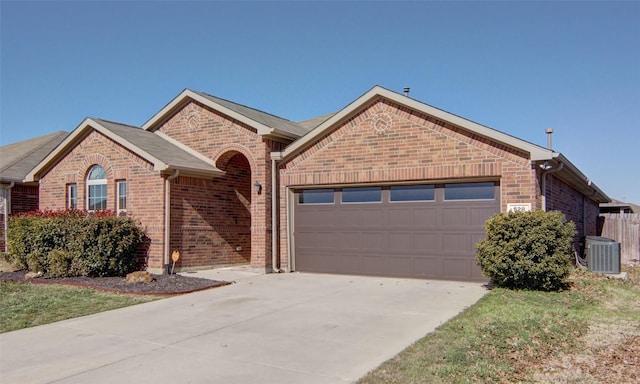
(24, 198)
(576, 207)
(219, 138)
(386, 142)
(145, 187)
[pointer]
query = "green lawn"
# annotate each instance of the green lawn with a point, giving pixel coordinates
(24, 305)
(520, 336)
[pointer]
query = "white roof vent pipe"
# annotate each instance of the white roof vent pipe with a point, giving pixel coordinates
(549, 132)
(406, 91)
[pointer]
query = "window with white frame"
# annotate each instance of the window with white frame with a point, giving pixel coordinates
(121, 196)
(72, 196)
(97, 189)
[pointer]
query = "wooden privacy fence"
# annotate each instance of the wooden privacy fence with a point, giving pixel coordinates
(625, 229)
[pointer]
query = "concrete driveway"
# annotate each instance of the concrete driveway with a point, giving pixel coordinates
(275, 328)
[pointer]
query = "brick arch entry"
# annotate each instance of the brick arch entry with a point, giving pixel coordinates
(234, 202)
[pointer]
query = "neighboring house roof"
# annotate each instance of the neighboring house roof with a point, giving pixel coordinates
(538, 154)
(619, 206)
(265, 123)
(162, 153)
(17, 159)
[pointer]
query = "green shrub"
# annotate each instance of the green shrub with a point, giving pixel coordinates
(61, 264)
(527, 250)
(84, 244)
(37, 262)
(18, 245)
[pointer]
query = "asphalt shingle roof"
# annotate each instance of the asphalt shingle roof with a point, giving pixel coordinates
(263, 118)
(17, 159)
(157, 146)
(310, 124)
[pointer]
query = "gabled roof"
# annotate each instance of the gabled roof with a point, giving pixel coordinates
(164, 155)
(17, 159)
(536, 152)
(568, 172)
(266, 124)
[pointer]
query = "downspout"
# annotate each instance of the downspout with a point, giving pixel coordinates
(7, 203)
(275, 157)
(543, 180)
(167, 218)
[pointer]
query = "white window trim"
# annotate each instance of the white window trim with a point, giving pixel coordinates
(95, 182)
(69, 187)
(118, 209)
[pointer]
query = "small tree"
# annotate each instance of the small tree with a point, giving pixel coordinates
(527, 250)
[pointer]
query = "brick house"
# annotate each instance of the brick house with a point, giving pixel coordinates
(386, 186)
(16, 160)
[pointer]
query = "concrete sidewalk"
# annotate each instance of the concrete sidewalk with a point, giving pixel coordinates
(275, 328)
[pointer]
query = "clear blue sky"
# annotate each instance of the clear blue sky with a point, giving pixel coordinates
(518, 67)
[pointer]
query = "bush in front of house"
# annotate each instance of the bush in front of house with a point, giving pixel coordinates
(527, 250)
(74, 243)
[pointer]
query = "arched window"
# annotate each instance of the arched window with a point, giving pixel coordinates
(96, 189)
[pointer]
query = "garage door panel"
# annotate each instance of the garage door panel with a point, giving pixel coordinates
(428, 267)
(370, 217)
(348, 240)
(400, 266)
(400, 241)
(398, 217)
(374, 264)
(457, 268)
(428, 239)
(425, 217)
(372, 240)
(411, 216)
(479, 215)
(310, 258)
(456, 242)
(346, 263)
(454, 217)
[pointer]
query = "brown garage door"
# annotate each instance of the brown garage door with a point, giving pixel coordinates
(425, 231)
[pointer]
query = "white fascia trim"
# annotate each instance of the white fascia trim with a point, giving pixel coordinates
(187, 93)
(277, 133)
(196, 172)
(536, 152)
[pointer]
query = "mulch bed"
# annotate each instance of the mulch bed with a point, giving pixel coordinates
(161, 285)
